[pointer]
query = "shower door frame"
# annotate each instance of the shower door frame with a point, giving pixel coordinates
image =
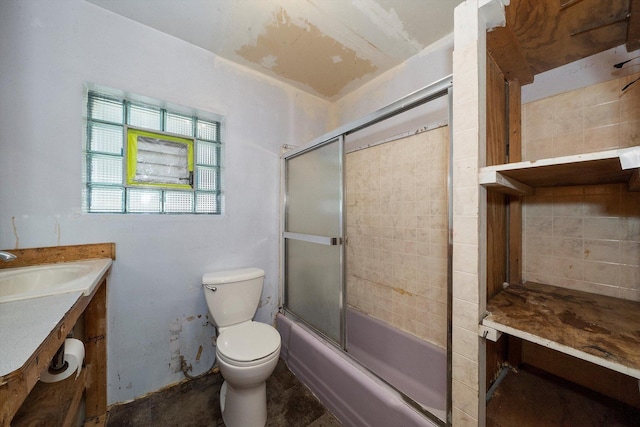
(323, 240)
(438, 89)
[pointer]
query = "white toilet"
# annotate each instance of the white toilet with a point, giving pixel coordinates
(247, 351)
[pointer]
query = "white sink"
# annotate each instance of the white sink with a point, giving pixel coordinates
(51, 279)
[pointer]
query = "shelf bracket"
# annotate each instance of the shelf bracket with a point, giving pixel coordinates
(504, 184)
(629, 157)
(489, 333)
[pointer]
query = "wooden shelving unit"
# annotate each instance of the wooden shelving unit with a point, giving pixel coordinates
(604, 167)
(586, 340)
(596, 328)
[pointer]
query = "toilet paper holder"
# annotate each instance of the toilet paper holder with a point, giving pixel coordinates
(58, 364)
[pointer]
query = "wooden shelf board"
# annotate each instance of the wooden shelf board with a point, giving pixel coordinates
(581, 169)
(600, 329)
(504, 184)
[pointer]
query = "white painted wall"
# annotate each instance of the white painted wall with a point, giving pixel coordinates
(584, 72)
(47, 51)
(430, 65)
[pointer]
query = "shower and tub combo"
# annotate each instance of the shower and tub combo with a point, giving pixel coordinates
(366, 264)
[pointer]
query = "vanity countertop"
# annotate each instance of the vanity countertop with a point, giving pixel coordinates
(25, 324)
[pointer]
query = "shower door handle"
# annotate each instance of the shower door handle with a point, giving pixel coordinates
(312, 238)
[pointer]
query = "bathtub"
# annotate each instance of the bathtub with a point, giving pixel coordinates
(349, 391)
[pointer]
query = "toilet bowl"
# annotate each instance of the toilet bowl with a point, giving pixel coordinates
(247, 351)
(245, 369)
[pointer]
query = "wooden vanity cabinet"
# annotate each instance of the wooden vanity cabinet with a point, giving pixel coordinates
(25, 400)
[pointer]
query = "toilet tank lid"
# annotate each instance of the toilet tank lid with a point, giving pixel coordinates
(228, 276)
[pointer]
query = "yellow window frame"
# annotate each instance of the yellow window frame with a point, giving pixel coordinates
(132, 135)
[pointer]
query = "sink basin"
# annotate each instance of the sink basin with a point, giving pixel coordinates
(51, 279)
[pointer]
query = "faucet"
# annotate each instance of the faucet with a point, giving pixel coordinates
(7, 256)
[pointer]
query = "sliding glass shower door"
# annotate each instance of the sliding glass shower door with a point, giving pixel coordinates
(313, 237)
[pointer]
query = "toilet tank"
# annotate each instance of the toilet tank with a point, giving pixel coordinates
(236, 296)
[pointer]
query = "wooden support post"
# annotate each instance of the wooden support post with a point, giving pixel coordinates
(514, 275)
(95, 344)
(633, 26)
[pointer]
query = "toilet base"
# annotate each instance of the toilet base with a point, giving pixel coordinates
(245, 407)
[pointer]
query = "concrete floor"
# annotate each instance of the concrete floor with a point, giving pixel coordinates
(197, 404)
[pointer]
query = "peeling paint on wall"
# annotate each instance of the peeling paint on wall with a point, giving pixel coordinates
(15, 231)
(56, 230)
(192, 338)
(304, 54)
(175, 328)
(387, 21)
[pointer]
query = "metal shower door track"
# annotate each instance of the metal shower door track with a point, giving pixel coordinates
(428, 93)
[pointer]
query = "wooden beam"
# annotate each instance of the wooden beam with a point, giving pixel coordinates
(55, 254)
(633, 26)
(634, 181)
(515, 203)
(504, 48)
(95, 344)
(496, 213)
(496, 115)
(544, 30)
(515, 120)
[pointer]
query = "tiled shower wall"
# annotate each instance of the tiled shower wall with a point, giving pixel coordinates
(595, 118)
(397, 233)
(583, 237)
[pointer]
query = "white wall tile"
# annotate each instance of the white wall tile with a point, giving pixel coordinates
(400, 253)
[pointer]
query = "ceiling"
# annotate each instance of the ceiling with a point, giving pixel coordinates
(325, 47)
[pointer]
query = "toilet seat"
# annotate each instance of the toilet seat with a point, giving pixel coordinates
(248, 343)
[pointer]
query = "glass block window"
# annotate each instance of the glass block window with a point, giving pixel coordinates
(142, 157)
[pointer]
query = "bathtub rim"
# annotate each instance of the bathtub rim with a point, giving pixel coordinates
(334, 347)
